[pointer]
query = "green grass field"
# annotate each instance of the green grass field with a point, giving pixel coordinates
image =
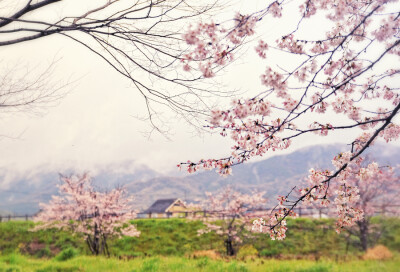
(172, 244)
(19, 263)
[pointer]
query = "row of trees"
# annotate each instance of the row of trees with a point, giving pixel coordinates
(234, 216)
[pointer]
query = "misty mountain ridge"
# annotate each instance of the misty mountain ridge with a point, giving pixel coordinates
(275, 175)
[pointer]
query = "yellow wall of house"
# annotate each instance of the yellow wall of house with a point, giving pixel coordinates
(177, 209)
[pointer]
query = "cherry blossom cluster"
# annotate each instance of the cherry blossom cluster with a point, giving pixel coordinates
(347, 214)
(211, 44)
(253, 136)
(354, 192)
(391, 133)
(274, 225)
(291, 44)
(261, 49)
(321, 129)
(223, 167)
(345, 195)
(236, 210)
(82, 209)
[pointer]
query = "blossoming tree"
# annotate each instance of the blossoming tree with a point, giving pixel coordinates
(230, 214)
(337, 70)
(368, 187)
(82, 209)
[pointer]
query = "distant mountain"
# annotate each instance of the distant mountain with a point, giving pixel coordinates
(275, 175)
(23, 194)
(279, 174)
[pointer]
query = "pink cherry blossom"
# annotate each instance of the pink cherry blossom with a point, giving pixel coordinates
(237, 212)
(98, 215)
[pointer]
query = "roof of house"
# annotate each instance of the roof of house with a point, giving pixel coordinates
(161, 205)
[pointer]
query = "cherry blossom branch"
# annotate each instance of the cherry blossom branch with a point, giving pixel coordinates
(341, 169)
(336, 68)
(144, 37)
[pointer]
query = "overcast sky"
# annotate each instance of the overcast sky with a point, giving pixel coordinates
(95, 123)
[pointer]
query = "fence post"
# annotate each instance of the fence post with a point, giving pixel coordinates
(299, 211)
(26, 217)
(320, 213)
(9, 217)
(1, 218)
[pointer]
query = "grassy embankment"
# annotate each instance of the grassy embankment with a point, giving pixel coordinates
(170, 245)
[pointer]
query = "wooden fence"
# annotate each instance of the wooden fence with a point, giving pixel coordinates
(25, 217)
(311, 212)
(389, 210)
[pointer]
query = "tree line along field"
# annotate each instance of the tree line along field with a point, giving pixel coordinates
(173, 245)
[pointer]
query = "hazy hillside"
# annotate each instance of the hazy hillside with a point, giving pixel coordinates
(23, 195)
(274, 175)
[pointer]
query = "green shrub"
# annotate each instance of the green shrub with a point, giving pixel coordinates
(269, 252)
(44, 252)
(170, 250)
(137, 254)
(67, 254)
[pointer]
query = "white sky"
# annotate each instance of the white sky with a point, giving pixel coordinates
(95, 123)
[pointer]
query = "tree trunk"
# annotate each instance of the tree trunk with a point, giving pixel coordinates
(363, 226)
(105, 246)
(96, 244)
(229, 247)
(90, 244)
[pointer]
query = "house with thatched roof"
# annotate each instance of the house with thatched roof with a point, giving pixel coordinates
(165, 208)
